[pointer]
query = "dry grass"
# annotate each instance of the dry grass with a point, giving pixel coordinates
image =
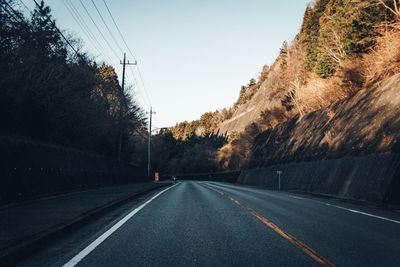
(330, 114)
(384, 59)
(352, 76)
(229, 158)
(319, 93)
(308, 91)
(379, 64)
(328, 138)
(295, 57)
(386, 139)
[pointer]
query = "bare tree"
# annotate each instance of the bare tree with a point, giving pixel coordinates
(395, 10)
(335, 51)
(294, 96)
(333, 43)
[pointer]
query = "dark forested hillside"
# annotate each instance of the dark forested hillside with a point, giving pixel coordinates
(51, 93)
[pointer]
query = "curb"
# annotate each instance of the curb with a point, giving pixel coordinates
(14, 253)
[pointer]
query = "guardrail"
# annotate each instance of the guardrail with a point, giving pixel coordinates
(230, 176)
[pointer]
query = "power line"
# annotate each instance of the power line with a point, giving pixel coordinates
(136, 93)
(80, 26)
(126, 45)
(74, 15)
(144, 86)
(123, 39)
(28, 27)
(11, 15)
(120, 34)
(85, 30)
(25, 6)
(108, 29)
(144, 97)
(49, 19)
(104, 38)
(84, 24)
(21, 19)
(145, 101)
(133, 76)
(114, 39)
(54, 25)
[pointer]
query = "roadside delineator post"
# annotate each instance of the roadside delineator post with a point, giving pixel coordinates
(279, 179)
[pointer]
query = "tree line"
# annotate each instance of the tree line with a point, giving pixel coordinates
(53, 94)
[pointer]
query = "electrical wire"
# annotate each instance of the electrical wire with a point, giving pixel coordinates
(54, 25)
(108, 29)
(136, 83)
(144, 86)
(129, 50)
(80, 26)
(21, 19)
(102, 35)
(131, 89)
(52, 22)
(11, 15)
(120, 34)
(25, 6)
(77, 19)
(116, 42)
(85, 25)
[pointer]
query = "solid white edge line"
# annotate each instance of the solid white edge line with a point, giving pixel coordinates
(351, 210)
(364, 213)
(75, 260)
(296, 197)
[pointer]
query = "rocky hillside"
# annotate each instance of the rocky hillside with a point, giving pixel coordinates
(366, 123)
(319, 96)
(340, 49)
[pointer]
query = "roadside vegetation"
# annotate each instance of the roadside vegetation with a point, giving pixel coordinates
(50, 93)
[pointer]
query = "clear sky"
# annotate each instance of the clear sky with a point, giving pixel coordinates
(193, 56)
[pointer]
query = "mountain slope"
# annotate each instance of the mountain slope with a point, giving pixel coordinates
(344, 48)
(366, 123)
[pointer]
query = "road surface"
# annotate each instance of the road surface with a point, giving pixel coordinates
(207, 223)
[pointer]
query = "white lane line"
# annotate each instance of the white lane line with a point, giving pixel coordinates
(351, 210)
(296, 197)
(75, 260)
(363, 213)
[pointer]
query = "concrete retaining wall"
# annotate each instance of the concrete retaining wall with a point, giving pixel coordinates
(30, 169)
(370, 177)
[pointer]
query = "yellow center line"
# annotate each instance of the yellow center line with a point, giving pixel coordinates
(309, 251)
(216, 190)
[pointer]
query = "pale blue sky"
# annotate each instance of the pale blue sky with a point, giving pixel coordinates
(193, 55)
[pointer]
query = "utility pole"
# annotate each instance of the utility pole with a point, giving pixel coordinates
(149, 141)
(123, 63)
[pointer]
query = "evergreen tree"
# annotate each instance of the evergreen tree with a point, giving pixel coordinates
(336, 30)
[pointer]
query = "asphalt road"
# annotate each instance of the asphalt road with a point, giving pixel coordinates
(203, 224)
